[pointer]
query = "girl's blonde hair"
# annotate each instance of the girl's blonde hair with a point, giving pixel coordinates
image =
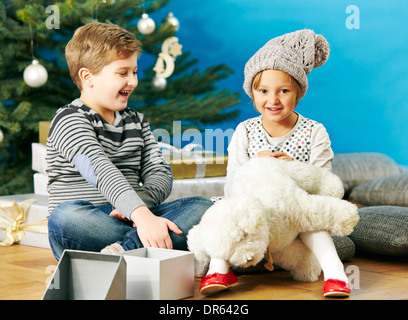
(96, 45)
(257, 80)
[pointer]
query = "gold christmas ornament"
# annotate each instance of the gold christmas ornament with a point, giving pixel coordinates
(165, 63)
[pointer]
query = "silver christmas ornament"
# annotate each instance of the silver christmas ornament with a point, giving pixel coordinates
(171, 19)
(146, 25)
(159, 83)
(35, 75)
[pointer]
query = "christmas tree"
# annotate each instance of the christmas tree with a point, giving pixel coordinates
(38, 32)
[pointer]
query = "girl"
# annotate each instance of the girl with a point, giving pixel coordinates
(276, 79)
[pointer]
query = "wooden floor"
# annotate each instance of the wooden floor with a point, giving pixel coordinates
(24, 271)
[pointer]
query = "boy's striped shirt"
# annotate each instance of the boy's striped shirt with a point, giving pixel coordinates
(90, 159)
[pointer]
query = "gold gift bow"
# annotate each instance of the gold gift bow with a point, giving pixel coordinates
(17, 213)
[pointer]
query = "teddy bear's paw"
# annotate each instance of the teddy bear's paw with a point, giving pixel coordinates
(244, 261)
(346, 219)
(200, 268)
(249, 252)
(304, 275)
(299, 260)
(333, 186)
(307, 272)
(195, 245)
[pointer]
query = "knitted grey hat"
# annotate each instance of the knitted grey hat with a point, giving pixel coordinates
(295, 53)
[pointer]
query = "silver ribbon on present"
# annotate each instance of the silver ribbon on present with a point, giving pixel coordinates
(185, 154)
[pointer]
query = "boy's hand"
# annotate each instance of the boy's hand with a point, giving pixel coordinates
(153, 231)
(277, 155)
(116, 214)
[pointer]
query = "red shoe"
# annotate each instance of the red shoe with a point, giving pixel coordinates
(215, 282)
(336, 288)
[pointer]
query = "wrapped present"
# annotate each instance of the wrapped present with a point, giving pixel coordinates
(204, 187)
(23, 220)
(43, 130)
(211, 185)
(40, 183)
(189, 162)
(193, 162)
(39, 154)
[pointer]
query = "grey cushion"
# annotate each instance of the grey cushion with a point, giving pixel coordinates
(391, 190)
(382, 230)
(356, 168)
(344, 246)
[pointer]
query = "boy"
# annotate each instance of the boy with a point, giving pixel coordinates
(106, 176)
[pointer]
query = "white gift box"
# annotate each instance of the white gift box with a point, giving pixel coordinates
(82, 275)
(142, 274)
(40, 183)
(38, 211)
(159, 274)
(182, 188)
(39, 153)
(204, 187)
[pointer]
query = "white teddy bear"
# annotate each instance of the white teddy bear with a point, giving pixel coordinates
(271, 201)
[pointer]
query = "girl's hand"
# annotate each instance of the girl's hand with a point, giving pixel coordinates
(277, 155)
(281, 156)
(153, 231)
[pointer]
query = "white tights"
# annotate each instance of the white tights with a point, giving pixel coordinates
(322, 246)
(218, 265)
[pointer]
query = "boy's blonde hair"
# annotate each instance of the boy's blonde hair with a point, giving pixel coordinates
(257, 80)
(96, 45)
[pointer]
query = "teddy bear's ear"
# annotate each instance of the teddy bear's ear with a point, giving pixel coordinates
(252, 214)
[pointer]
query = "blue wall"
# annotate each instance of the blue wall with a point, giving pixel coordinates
(360, 94)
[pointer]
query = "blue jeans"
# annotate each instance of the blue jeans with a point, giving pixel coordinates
(79, 225)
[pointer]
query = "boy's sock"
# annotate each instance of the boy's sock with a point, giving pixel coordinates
(114, 248)
(218, 265)
(322, 246)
